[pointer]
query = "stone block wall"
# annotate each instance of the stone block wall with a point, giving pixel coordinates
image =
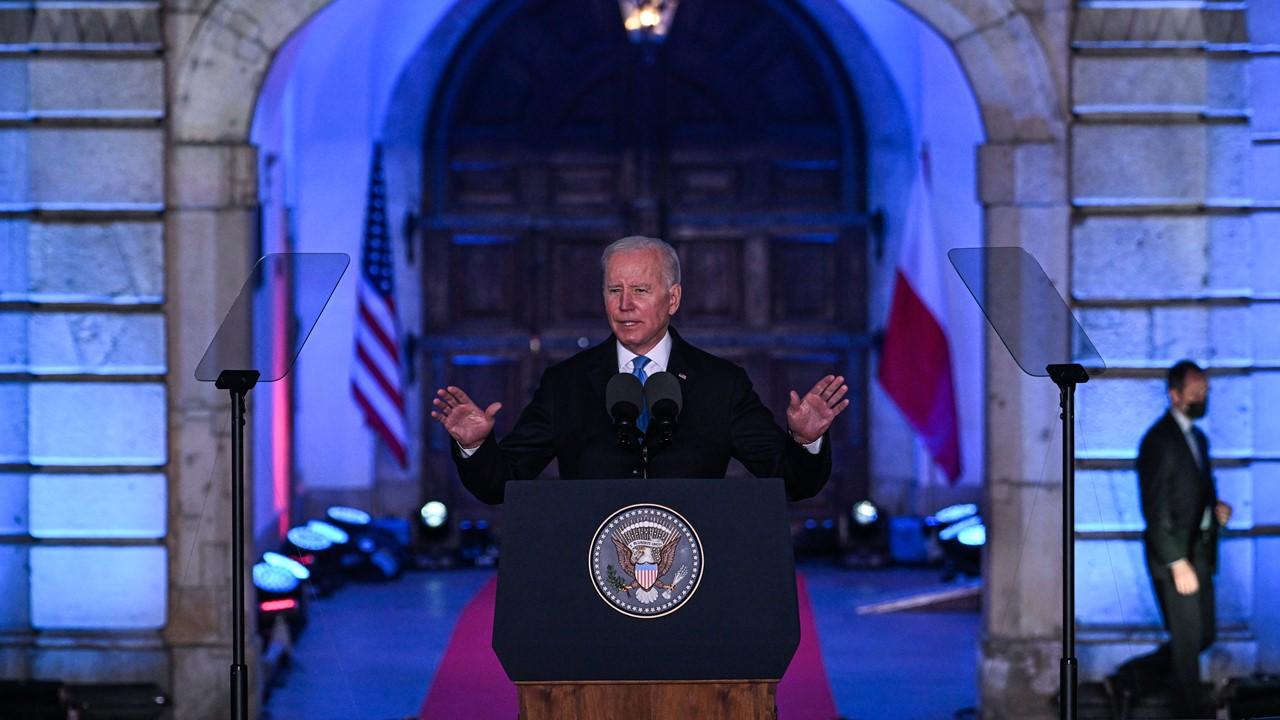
(84, 490)
(1173, 249)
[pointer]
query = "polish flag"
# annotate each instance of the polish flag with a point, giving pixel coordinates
(915, 362)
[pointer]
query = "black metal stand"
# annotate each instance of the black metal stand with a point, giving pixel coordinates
(1066, 377)
(239, 383)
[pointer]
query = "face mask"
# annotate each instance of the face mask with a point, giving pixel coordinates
(1196, 410)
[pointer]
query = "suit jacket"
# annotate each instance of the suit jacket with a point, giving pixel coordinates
(1175, 494)
(722, 418)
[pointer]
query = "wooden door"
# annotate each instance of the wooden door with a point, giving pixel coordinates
(737, 140)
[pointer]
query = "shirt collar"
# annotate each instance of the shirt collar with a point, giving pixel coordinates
(1183, 421)
(659, 356)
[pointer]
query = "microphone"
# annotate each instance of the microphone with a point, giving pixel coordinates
(665, 402)
(623, 397)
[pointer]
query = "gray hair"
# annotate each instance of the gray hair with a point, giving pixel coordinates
(670, 260)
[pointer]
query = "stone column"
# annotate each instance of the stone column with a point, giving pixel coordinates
(220, 50)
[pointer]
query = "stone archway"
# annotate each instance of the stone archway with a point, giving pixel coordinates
(1016, 62)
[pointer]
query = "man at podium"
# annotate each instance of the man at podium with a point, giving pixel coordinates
(721, 417)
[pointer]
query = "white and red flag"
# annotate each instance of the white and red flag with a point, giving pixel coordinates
(376, 381)
(915, 362)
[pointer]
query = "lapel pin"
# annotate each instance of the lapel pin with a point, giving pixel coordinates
(682, 376)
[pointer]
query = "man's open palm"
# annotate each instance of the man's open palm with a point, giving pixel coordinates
(462, 418)
(809, 417)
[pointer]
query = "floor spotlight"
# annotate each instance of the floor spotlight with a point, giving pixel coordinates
(317, 554)
(430, 533)
(962, 547)
(817, 537)
(294, 567)
(368, 552)
(476, 544)
(868, 540)
(279, 596)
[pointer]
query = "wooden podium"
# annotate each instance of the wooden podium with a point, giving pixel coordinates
(706, 700)
(574, 654)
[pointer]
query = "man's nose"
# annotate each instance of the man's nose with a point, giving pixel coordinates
(625, 300)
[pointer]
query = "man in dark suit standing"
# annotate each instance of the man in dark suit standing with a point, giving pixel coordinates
(1183, 514)
(722, 417)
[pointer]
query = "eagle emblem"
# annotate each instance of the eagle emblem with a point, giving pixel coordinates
(658, 560)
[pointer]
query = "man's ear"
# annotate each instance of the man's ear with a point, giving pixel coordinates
(674, 304)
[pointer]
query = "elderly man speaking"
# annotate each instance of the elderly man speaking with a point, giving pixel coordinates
(722, 417)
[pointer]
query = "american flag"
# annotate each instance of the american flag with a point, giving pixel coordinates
(376, 379)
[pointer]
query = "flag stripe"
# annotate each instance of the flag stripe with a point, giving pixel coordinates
(370, 370)
(915, 370)
(381, 333)
(375, 401)
(376, 356)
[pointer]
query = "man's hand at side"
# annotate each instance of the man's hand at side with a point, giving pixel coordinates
(462, 418)
(1184, 577)
(809, 417)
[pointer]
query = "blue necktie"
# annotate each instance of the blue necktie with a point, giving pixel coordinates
(637, 369)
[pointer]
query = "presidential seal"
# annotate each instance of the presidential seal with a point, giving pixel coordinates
(645, 561)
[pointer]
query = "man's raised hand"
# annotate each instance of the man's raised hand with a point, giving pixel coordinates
(809, 417)
(462, 418)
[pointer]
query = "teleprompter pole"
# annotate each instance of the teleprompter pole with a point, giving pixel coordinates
(239, 383)
(1066, 377)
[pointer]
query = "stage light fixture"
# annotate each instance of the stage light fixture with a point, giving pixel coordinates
(952, 514)
(962, 547)
(817, 537)
(434, 514)
(353, 520)
(298, 570)
(330, 532)
(318, 554)
(973, 536)
(868, 539)
(865, 513)
(280, 597)
(476, 544)
(431, 531)
(365, 550)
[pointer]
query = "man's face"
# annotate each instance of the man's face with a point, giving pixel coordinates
(637, 300)
(1193, 396)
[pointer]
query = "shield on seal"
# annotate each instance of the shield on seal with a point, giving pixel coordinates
(646, 574)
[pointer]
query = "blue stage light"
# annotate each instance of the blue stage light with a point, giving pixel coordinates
(953, 513)
(951, 531)
(293, 566)
(973, 536)
(332, 533)
(274, 579)
(348, 516)
(304, 538)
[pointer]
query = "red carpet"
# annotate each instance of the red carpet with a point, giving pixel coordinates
(470, 682)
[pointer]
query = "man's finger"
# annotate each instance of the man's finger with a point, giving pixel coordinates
(458, 395)
(795, 399)
(493, 409)
(821, 386)
(835, 397)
